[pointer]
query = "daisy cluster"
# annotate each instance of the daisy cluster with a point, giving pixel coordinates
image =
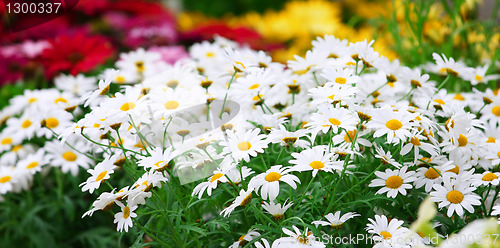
(271, 138)
(29, 129)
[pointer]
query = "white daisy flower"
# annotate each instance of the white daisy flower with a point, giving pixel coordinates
(335, 220)
(287, 138)
(329, 117)
(235, 175)
(396, 125)
(394, 181)
(242, 199)
(54, 121)
(7, 179)
(386, 157)
(297, 239)
(448, 66)
(8, 141)
(269, 181)
(265, 244)
(428, 176)
(149, 180)
(139, 61)
(485, 179)
(243, 145)
(455, 195)
(331, 45)
(124, 218)
(276, 209)
(25, 126)
(496, 212)
(91, 97)
(33, 162)
(243, 240)
(77, 85)
(316, 159)
(332, 93)
(213, 181)
(159, 159)
(346, 139)
(383, 230)
(416, 143)
(100, 173)
(69, 159)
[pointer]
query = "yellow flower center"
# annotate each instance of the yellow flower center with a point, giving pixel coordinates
(32, 100)
(120, 79)
(394, 182)
(157, 164)
(140, 66)
(241, 64)
(255, 86)
(340, 80)
(273, 176)
(491, 140)
(349, 136)
(172, 83)
(432, 173)
(479, 78)
(257, 97)
(416, 83)
(5, 179)
(244, 146)
(215, 177)
(61, 99)
(391, 84)
(32, 165)
(337, 227)
(459, 97)
(455, 196)
(331, 97)
(386, 235)
(246, 200)
(26, 124)
(317, 165)
(126, 212)
(101, 176)
(17, 148)
(415, 141)
(334, 121)
(6, 141)
(439, 101)
(210, 54)
(496, 110)
(489, 177)
(171, 105)
(462, 140)
(127, 106)
(455, 170)
(303, 240)
(51, 122)
(69, 156)
(394, 124)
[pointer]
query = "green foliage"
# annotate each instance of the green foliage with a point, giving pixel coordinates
(49, 215)
(218, 8)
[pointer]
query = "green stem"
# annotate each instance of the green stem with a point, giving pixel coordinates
(225, 97)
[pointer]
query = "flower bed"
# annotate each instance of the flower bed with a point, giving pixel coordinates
(228, 148)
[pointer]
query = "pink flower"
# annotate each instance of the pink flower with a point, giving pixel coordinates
(170, 54)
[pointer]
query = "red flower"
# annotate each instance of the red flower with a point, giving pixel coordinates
(11, 68)
(75, 54)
